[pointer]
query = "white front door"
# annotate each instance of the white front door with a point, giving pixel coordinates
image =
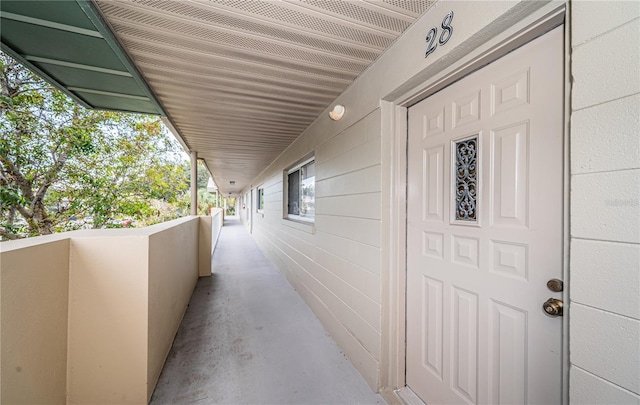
(485, 233)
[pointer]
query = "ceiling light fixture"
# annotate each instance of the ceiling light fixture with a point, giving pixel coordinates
(337, 112)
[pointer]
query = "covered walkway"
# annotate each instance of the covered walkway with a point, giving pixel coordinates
(248, 338)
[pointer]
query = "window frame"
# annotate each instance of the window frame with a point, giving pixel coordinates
(286, 173)
(260, 199)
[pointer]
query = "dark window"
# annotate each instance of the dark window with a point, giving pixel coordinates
(301, 191)
(260, 199)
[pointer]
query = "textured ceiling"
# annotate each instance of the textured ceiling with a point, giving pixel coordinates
(241, 79)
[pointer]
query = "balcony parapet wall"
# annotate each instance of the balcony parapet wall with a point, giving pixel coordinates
(89, 317)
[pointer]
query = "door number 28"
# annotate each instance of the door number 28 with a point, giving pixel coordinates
(445, 35)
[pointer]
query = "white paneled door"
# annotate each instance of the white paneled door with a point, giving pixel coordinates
(485, 233)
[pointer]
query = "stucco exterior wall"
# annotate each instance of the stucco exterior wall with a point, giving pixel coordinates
(33, 313)
(108, 298)
(88, 317)
(205, 234)
(173, 274)
(217, 222)
(605, 203)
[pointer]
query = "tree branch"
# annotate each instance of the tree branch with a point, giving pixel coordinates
(8, 235)
(59, 162)
(22, 183)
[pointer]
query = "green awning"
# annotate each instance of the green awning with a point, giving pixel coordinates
(68, 44)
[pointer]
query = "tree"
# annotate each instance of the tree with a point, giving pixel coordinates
(206, 200)
(60, 162)
(203, 175)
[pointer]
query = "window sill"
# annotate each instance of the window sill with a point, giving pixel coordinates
(304, 226)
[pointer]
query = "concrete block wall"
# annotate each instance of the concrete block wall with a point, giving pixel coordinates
(605, 203)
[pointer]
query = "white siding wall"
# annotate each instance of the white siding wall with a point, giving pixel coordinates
(335, 265)
(605, 203)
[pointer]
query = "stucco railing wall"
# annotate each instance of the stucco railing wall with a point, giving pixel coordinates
(217, 221)
(108, 304)
(90, 316)
(169, 290)
(34, 287)
(210, 228)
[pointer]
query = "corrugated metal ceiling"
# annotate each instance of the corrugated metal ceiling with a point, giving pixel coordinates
(242, 79)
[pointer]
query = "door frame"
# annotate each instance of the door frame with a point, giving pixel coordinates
(250, 210)
(394, 133)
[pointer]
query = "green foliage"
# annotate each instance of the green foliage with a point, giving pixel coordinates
(231, 206)
(206, 201)
(203, 175)
(63, 167)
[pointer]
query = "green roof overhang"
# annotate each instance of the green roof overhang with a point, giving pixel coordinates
(69, 44)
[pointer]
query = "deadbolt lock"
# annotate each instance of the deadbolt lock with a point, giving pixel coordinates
(555, 285)
(553, 307)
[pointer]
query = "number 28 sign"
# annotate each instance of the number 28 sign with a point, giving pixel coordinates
(445, 34)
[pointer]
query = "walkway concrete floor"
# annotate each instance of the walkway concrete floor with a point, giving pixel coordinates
(248, 338)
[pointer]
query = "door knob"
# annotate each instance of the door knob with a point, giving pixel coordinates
(555, 285)
(553, 307)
